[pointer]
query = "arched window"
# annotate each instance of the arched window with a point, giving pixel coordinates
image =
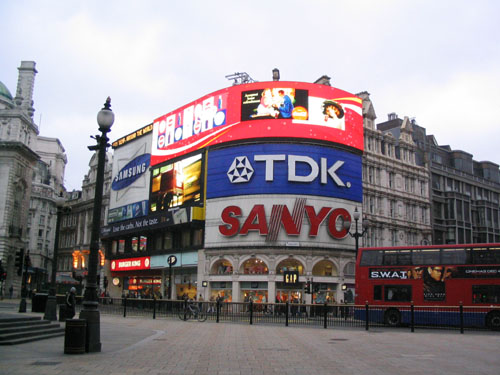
(222, 267)
(349, 269)
(325, 268)
(254, 266)
(290, 265)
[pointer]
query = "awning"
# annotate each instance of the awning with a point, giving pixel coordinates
(65, 279)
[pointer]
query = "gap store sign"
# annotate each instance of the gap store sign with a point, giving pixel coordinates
(284, 169)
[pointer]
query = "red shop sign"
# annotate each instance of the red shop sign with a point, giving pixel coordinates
(129, 264)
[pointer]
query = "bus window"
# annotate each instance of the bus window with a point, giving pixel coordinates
(453, 256)
(390, 258)
(404, 258)
(397, 293)
(485, 293)
(377, 292)
(483, 255)
(426, 256)
(372, 258)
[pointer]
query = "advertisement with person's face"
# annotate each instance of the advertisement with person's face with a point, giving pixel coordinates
(257, 111)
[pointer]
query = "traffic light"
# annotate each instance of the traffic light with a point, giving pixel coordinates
(308, 288)
(19, 261)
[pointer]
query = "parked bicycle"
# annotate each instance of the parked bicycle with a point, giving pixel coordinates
(192, 310)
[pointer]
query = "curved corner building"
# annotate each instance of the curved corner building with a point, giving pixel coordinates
(246, 191)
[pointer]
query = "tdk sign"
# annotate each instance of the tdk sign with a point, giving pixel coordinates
(284, 169)
(131, 172)
(241, 170)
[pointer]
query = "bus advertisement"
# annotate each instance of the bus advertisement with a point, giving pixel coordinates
(435, 279)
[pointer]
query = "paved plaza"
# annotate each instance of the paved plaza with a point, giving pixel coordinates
(170, 346)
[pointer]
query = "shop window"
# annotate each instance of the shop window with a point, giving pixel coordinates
(255, 266)
(186, 238)
(222, 267)
(121, 246)
(221, 290)
(143, 243)
(198, 237)
(324, 268)
(135, 244)
(168, 241)
(290, 265)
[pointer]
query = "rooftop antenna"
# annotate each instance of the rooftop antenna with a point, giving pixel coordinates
(240, 78)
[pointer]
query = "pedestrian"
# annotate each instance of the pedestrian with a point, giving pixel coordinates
(11, 291)
(71, 303)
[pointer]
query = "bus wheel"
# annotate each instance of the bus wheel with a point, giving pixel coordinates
(493, 320)
(392, 317)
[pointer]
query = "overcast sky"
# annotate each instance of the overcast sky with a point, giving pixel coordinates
(435, 61)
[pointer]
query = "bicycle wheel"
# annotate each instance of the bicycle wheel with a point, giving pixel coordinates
(183, 314)
(202, 316)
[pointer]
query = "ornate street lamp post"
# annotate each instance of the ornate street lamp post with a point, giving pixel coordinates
(357, 235)
(51, 306)
(90, 312)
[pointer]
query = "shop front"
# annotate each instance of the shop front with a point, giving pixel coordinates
(254, 291)
(222, 290)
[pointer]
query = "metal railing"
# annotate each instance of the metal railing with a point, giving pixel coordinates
(318, 315)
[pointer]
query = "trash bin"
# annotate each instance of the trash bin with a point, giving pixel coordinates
(74, 336)
(62, 312)
(38, 302)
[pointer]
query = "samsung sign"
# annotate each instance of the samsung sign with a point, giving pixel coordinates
(284, 169)
(131, 172)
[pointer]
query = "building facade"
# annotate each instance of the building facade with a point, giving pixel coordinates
(464, 193)
(32, 170)
(250, 199)
(396, 186)
(76, 227)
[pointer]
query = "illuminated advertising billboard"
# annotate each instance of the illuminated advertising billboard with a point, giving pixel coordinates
(130, 177)
(278, 220)
(260, 110)
(176, 184)
(284, 168)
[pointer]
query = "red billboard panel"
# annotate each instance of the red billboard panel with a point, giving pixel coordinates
(260, 110)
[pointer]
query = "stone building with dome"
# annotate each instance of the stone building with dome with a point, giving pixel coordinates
(32, 170)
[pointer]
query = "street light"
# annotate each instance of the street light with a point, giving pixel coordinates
(51, 305)
(90, 312)
(357, 235)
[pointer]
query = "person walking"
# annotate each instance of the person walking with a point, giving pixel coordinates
(71, 303)
(11, 291)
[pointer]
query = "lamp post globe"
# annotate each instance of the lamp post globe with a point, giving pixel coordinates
(106, 117)
(90, 312)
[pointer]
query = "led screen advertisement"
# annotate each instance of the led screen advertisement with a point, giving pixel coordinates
(278, 220)
(130, 178)
(175, 184)
(257, 111)
(271, 168)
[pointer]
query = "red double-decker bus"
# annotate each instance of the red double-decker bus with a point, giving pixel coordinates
(436, 279)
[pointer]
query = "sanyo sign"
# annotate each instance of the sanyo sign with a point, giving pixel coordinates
(284, 169)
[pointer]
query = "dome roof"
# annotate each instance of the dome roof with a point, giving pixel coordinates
(5, 94)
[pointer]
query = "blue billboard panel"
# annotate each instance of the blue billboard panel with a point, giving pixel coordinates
(284, 169)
